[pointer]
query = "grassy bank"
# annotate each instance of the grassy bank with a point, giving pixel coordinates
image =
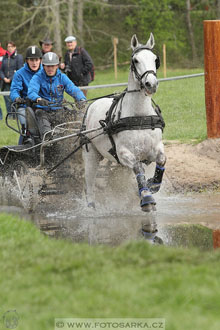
(182, 104)
(43, 279)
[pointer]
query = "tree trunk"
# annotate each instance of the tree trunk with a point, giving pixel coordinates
(80, 20)
(218, 9)
(191, 34)
(70, 26)
(57, 35)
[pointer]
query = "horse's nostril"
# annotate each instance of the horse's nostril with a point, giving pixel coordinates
(147, 84)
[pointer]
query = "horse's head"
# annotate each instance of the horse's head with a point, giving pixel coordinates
(144, 64)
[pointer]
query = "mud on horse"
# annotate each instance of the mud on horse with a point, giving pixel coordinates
(132, 127)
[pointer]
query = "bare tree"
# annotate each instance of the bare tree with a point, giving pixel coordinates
(70, 24)
(57, 35)
(190, 29)
(80, 20)
(218, 9)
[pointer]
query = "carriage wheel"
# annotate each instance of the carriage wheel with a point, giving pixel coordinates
(22, 180)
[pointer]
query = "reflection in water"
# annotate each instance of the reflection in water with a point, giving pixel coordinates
(118, 217)
(172, 219)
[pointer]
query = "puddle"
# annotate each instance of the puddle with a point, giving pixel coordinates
(180, 219)
(192, 208)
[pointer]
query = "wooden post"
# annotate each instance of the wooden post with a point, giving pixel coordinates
(212, 76)
(164, 61)
(216, 238)
(115, 42)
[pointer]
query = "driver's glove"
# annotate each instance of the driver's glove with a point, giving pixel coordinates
(19, 100)
(81, 104)
(43, 102)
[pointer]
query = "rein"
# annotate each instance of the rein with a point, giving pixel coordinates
(146, 73)
(112, 126)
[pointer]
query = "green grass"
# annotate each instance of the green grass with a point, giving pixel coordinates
(183, 106)
(182, 103)
(7, 136)
(44, 278)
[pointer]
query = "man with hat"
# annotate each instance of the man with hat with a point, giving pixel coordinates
(46, 45)
(77, 63)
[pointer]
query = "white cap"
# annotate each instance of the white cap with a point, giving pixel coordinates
(70, 39)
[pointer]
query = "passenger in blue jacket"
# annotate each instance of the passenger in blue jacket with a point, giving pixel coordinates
(48, 86)
(20, 82)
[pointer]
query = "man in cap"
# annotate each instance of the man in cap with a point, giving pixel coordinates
(77, 63)
(46, 45)
(21, 79)
(48, 86)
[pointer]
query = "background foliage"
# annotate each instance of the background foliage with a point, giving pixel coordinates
(176, 23)
(182, 103)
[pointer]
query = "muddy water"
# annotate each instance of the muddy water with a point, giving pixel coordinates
(192, 208)
(116, 221)
(118, 217)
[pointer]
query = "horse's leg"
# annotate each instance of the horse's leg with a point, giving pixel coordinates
(147, 201)
(91, 161)
(154, 183)
(128, 159)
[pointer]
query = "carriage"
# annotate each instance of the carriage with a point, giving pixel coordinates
(43, 167)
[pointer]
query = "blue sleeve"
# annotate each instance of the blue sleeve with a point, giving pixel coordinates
(16, 86)
(34, 88)
(72, 89)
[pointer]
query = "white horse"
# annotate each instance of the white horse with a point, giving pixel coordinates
(132, 128)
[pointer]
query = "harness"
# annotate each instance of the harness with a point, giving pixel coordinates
(146, 73)
(112, 126)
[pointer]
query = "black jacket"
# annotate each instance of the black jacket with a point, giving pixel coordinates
(10, 64)
(79, 67)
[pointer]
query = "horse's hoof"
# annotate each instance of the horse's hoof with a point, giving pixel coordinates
(148, 203)
(157, 240)
(152, 238)
(91, 205)
(148, 208)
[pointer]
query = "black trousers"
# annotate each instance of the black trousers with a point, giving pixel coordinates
(48, 119)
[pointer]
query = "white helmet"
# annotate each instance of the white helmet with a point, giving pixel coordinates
(50, 58)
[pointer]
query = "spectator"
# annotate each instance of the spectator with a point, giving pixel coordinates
(11, 62)
(77, 63)
(20, 82)
(46, 45)
(48, 85)
(2, 53)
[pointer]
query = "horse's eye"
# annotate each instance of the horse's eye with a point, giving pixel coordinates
(136, 61)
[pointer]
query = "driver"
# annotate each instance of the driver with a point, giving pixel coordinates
(48, 86)
(20, 82)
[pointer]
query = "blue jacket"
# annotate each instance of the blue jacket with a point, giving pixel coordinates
(52, 88)
(20, 82)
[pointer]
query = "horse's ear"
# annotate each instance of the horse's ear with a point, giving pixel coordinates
(150, 43)
(134, 42)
